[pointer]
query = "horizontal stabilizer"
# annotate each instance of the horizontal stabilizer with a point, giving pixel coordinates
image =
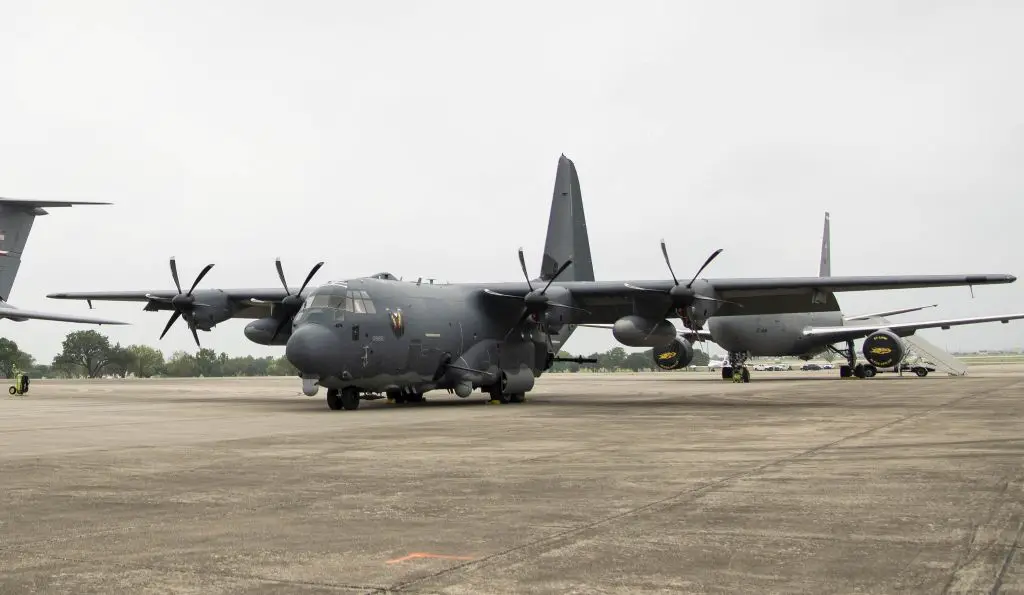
(888, 313)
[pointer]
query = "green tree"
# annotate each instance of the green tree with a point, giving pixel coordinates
(208, 363)
(640, 360)
(88, 351)
(181, 365)
(282, 367)
(146, 361)
(119, 361)
(13, 359)
(700, 358)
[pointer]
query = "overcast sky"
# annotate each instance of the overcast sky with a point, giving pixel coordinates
(422, 138)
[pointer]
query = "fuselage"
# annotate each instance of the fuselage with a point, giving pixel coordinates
(772, 334)
(381, 335)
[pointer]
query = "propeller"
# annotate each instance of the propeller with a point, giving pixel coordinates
(685, 295)
(292, 301)
(535, 302)
(184, 304)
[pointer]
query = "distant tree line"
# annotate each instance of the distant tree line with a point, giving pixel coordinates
(89, 354)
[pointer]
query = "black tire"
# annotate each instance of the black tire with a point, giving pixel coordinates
(870, 371)
(922, 372)
(858, 370)
(333, 399)
(845, 371)
(349, 398)
(745, 374)
(12, 390)
(726, 373)
(517, 397)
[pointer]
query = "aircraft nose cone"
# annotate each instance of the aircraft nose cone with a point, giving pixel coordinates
(314, 349)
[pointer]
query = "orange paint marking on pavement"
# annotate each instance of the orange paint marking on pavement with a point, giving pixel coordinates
(418, 555)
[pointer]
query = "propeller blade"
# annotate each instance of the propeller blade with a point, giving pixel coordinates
(643, 288)
(560, 270)
(309, 277)
(522, 318)
(706, 263)
(664, 251)
(492, 292)
(174, 317)
(280, 275)
(280, 327)
(711, 299)
(557, 305)
(195, 335)
(202, 274)
(174, 274)
(522, 263)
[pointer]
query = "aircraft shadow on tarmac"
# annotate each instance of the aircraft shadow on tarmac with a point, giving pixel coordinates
(538, 403)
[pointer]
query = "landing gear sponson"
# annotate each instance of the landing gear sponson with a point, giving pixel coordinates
(349, 398)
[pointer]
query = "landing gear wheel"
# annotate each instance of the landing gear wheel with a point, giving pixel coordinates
(726, 373)
(922, 372)
(741, 374)
(845, 371)
(518, 397)
(12, 390)
(349, 398)
(870, 371)
(333, 399)
(745, 375)
(414, 398)
(858, 370)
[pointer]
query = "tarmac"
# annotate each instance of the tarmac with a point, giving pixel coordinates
(799, 482)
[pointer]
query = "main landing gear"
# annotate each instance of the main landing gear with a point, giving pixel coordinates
(346, 398)
(736, 370)
(401, 397)
(852, 369)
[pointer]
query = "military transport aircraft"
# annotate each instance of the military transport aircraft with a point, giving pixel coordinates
(16, 218)
(369, 335)
(807, 334)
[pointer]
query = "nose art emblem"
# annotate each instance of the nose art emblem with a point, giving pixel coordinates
(397, 322)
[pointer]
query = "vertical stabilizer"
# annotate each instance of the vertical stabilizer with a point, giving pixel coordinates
(825, 268)
(567, 229)
(16, 218)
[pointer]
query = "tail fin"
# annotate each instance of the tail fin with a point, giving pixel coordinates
(567, 229)
(16, 218)
(825, 268)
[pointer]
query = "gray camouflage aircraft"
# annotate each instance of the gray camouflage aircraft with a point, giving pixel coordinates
(367, 336)
(808, 334)
(16, 219)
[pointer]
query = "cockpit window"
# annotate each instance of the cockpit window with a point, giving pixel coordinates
(353, 301)
(359, 302)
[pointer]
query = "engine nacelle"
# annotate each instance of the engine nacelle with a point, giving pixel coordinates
(674, 356)
(261, 330)
(637, 331)
(883, 349)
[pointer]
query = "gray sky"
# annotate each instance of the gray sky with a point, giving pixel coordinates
(390, 135)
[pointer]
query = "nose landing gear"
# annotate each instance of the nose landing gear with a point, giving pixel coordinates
(346, 398)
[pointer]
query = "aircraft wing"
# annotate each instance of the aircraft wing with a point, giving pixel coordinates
(835, 334)
(18, 314)
(607, 301)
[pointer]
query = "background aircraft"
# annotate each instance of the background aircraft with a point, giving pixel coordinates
(377, 334)
(16, 219)
(808, 334)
